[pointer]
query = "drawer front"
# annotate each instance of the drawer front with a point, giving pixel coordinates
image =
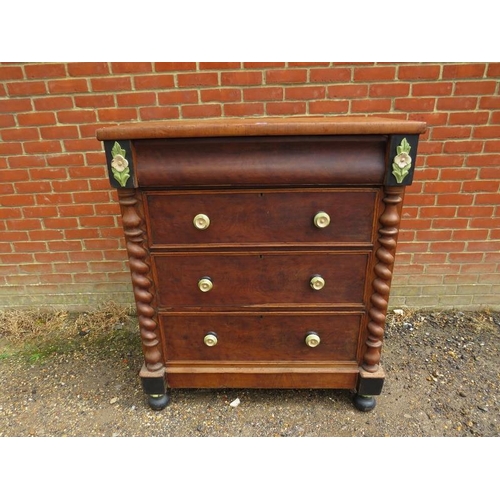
(255, 337)
(261, 217)
(259, 279)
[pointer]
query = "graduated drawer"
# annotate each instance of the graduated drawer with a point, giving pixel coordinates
(260, 337)
(264, 216)
(259, 278)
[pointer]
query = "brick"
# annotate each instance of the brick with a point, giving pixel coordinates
(286, 76)
(286, 108)
(20, 134)
(244, 109)
(42, 147)
(65, 245)
(59, 132)
(329, 75)
(6, 189)
(15, 236)
(326, 107)
(197, 80)
(163, 113)
(201, 110)
(493, 70)
(466, 118)
(437, 212)
(442, 187)
(88, 172)
(371, 105)
(15, 105)
(95, 101)
(89, 129)
(136, 99)
(17, 175)
(97, 221)
(463, 257)
(308, 64)
(10, 148)
(347, 91)
(241, 78)
(455, 199)
(305, 93)
(415, 104)
(463, 147)
(178, 97)
(431, 89)
(489, 102)
(483, 246)
(67, 86)
(263, 94)
(53, 103)
(447, 246)
(39, 118)
(463, 71)
(117, 114)
(219, 65)
(475, 211)
(456, 103)
(389, 89)
(484, 222)
(374, 73)
(492, 147)
(259, 65)
(487, 199)
(475, 88)
(65, 159)
(70, 185)
(48, 173)
(30, 246)
(85, 235)
(175, 66)
(131, 67)
(480, 186)
(484, 161)
(450, 223)
(26, 88)
(11, 73)
(491, 172)
(486, 132)
(111, 84)
(419, 72)
(88, 68)
(26, 161)
(45, 70)
(7, 121)
(220, 95)
(455, 132)
(462, 173)
(73, 145)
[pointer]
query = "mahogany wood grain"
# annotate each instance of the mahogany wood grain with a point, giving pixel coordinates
(259, 278)
(263, 161)
(260, 217)
(260, 337)
(264, 126)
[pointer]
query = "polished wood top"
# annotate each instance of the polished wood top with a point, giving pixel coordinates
(306, 125)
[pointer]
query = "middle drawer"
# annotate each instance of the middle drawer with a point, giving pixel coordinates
(260, 217)
(260, 279)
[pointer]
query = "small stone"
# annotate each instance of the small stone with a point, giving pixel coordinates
(113, 401)
(462, 394)
(399, 312)
(235, 403)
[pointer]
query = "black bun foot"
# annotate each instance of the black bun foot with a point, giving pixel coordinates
(158, 401)
(364, 403)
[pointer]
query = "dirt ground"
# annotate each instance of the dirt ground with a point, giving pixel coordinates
(67, 375)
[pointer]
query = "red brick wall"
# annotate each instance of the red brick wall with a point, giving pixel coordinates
(61, 239)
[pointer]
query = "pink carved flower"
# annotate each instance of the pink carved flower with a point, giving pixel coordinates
(402, 160)
(119, 163)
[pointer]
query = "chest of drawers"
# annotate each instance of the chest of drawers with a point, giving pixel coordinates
(261, 250)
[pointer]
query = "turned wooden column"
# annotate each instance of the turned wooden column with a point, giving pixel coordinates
(140, 269)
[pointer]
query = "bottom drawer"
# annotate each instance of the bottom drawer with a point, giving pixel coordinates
(260, 337)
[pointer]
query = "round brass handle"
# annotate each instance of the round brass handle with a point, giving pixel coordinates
(201, 221)
(312, 339)
(321, 220)
(210, 339)
(205, 284)
(317, 282)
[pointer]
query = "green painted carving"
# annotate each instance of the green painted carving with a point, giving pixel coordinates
(119, 165)
(401, 164)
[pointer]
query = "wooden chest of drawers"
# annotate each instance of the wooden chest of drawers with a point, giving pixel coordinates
(261, 250)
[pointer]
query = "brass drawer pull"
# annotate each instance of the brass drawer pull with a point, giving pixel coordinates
(312, 339)
(321, 220)
(205, 284)
(201, 221)
(210, 339)
(317, 282)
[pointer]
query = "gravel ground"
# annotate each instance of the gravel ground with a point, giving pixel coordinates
(82, 380)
